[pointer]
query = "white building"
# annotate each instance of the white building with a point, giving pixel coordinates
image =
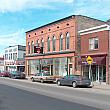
(14, 58)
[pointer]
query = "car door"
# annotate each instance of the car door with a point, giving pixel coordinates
(65, 80)
(70, 80)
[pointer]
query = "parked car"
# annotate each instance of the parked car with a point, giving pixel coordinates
(4, 73)
(17, 75)
(42, 77)
(74, 80)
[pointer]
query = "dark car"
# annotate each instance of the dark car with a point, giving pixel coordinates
(74, 80)
(5, 74)
(17, 75)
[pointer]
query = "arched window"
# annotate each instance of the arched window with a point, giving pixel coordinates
(32, 47)
(42, 42)
(61, 42)
(37, 43)
(48, 44)
(54, 43)
(67, 40)
(28, 48)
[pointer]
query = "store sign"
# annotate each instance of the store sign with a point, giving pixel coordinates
(38, 49)
(89, 60)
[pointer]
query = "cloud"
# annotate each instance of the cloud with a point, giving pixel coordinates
(19, 5)
(94, 8)
(13, 39)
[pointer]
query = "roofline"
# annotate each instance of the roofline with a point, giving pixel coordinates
(94, 29)
(71, 16)
(92, 18)
(13, 46)
(51, 23)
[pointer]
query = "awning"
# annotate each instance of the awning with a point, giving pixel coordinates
(96, 61)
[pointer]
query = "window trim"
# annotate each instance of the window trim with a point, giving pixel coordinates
(90, 44)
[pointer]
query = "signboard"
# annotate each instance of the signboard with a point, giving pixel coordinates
(89, 60)
(38, 49)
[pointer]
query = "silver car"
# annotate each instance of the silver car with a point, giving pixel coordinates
(74, 80)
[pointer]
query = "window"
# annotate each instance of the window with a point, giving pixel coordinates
(6, 51)
(15, 49)
(93, 43)
(32, 47)
(28, 48)
(61, 42)
(14, 56)
(54, 43)
(48, 44)
(10, 50)
(67, 40)
(6, 56)
(42, 43)
(37, 43)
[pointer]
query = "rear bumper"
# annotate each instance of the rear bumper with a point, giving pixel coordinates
(84, 84)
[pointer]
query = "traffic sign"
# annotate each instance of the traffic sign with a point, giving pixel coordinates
(89, 60)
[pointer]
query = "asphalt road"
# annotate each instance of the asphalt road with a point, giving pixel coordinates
(25, 95)
(16, 99)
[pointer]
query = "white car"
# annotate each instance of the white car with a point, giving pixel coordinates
(43, 77)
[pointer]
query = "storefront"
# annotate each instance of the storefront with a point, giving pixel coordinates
(97, 70)
(55, 66)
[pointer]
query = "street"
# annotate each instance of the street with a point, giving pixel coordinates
(24, 95)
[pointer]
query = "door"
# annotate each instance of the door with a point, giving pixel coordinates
(70, 69)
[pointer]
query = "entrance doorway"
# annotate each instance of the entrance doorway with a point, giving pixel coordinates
(98, 72)
(70, 69)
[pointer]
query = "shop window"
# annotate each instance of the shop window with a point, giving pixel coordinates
(54, 42)
(93, 43)
(61, 42)
(67, 40)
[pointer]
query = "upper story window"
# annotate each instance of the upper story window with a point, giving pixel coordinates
(48, 44)
(6, 56)
(32, 47)
(61, 42)
(6, 51)
(67, 40)
(42, 43)
(15, 49)
(14, 56)
(10, 50)
(93, 43)
(54, 43)
(28, 48)
(37, 43)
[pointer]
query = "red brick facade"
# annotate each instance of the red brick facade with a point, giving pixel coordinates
(60, 62)
(100, 68)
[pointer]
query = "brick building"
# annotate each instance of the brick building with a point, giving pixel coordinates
(97, 47)
(61, 45)
(1, 64)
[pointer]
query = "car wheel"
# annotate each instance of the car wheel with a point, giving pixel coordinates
(58, 83)
(74, 84)
(41, 81)
(32, 79)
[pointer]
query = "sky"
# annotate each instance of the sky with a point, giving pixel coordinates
(19, 16)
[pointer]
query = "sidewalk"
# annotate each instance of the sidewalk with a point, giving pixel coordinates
(102, 86)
